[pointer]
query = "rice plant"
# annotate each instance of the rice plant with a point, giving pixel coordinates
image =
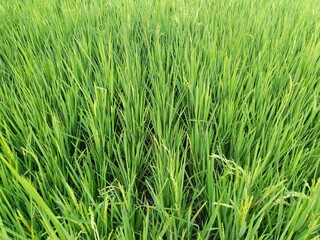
(149, 119)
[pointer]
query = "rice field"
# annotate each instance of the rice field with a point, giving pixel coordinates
(149, 119)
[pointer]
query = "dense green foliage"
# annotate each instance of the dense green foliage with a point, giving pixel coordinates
(172, 119)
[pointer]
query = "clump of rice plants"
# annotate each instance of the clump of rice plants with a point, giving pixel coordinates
(172, 119)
